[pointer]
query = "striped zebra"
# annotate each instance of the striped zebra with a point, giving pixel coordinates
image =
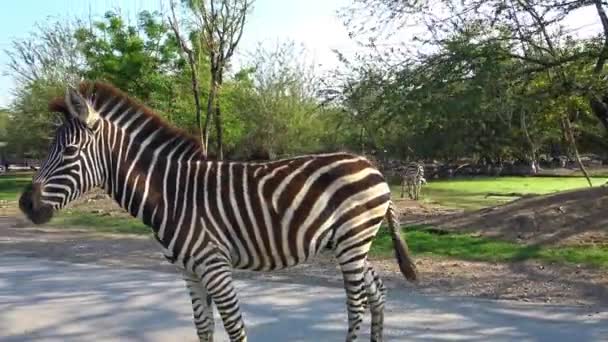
(412, 178)
(212, 216)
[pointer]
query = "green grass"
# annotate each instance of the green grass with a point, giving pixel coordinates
(11, 185)
(420, 240)
(466, 247)
(470, 193)
(99, 223)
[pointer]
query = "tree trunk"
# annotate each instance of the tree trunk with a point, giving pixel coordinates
(570, 137)
(218, 128)
(599, 104)
(210, 102)
(533, 160)
(197, 103)
(193, 75)
(599, 107)
(361, 140)
(218, 118)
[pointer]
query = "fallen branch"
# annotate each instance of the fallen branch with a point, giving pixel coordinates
(510, 194)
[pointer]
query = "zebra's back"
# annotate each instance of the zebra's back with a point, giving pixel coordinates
(413, 171)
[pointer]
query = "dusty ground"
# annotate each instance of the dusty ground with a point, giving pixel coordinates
(529, 281)
(575, 217)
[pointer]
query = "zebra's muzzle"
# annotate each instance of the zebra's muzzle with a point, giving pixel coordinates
(32, 206)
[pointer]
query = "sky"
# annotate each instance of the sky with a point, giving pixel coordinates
(312, 23)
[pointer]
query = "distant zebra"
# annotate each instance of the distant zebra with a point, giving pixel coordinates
(212, 216)
(412, 178)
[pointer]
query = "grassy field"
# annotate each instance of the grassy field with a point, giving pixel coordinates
(466, 247)
(468, 194)
(471, 193)
(99, 223)
(11, 185)
(420, 241)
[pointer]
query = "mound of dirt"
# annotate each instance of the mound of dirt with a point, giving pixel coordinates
(575, 217)
(413, 212)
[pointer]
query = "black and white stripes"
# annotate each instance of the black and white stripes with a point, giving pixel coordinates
(212, 216)
(412, 178)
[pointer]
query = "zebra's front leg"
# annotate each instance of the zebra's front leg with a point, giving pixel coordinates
(202, 307)
(217, 278)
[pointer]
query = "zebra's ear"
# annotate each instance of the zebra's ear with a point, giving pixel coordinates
(80, 107)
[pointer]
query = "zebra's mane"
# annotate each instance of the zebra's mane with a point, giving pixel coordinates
(99, 93)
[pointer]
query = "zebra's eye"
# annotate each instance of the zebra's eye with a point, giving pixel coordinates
(71, 151)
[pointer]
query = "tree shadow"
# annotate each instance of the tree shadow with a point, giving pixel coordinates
(543, 220)
(53, 301)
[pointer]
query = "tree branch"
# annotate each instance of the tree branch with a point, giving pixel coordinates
(599, 65)
(189, 54)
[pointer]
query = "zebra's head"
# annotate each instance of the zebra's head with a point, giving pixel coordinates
(72, 166)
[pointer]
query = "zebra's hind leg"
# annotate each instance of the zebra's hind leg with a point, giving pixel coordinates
(351, 253)
(353, 272)
(202, 307)
(410, 190)
(376, 298)
(217, 278)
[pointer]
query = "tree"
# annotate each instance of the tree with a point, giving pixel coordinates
(48, 53)
(534, 32)
(484, 79)
(41, 65)
(194, 62)
(142, 60)
(219, 26)
(280, 113)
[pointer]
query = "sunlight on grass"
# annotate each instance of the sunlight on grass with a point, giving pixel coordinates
(466, 247)
(11, 186)
(470, 193)
(98, 223)
(461, 193)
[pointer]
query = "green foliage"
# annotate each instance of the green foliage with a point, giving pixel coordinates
(276, 104)
(479, 92)
(463, 101)
(41, 65)
(29, 113)
(142, 60)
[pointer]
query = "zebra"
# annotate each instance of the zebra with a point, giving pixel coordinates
(412, 178)
(211, 217)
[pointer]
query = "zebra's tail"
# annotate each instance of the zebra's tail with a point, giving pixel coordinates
(406, 263)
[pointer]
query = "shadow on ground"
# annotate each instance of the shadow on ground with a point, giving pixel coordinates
(53, 301)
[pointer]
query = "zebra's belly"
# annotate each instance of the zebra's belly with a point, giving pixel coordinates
(288, 250)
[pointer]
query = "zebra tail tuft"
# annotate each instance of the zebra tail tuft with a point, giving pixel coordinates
(404, 259)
